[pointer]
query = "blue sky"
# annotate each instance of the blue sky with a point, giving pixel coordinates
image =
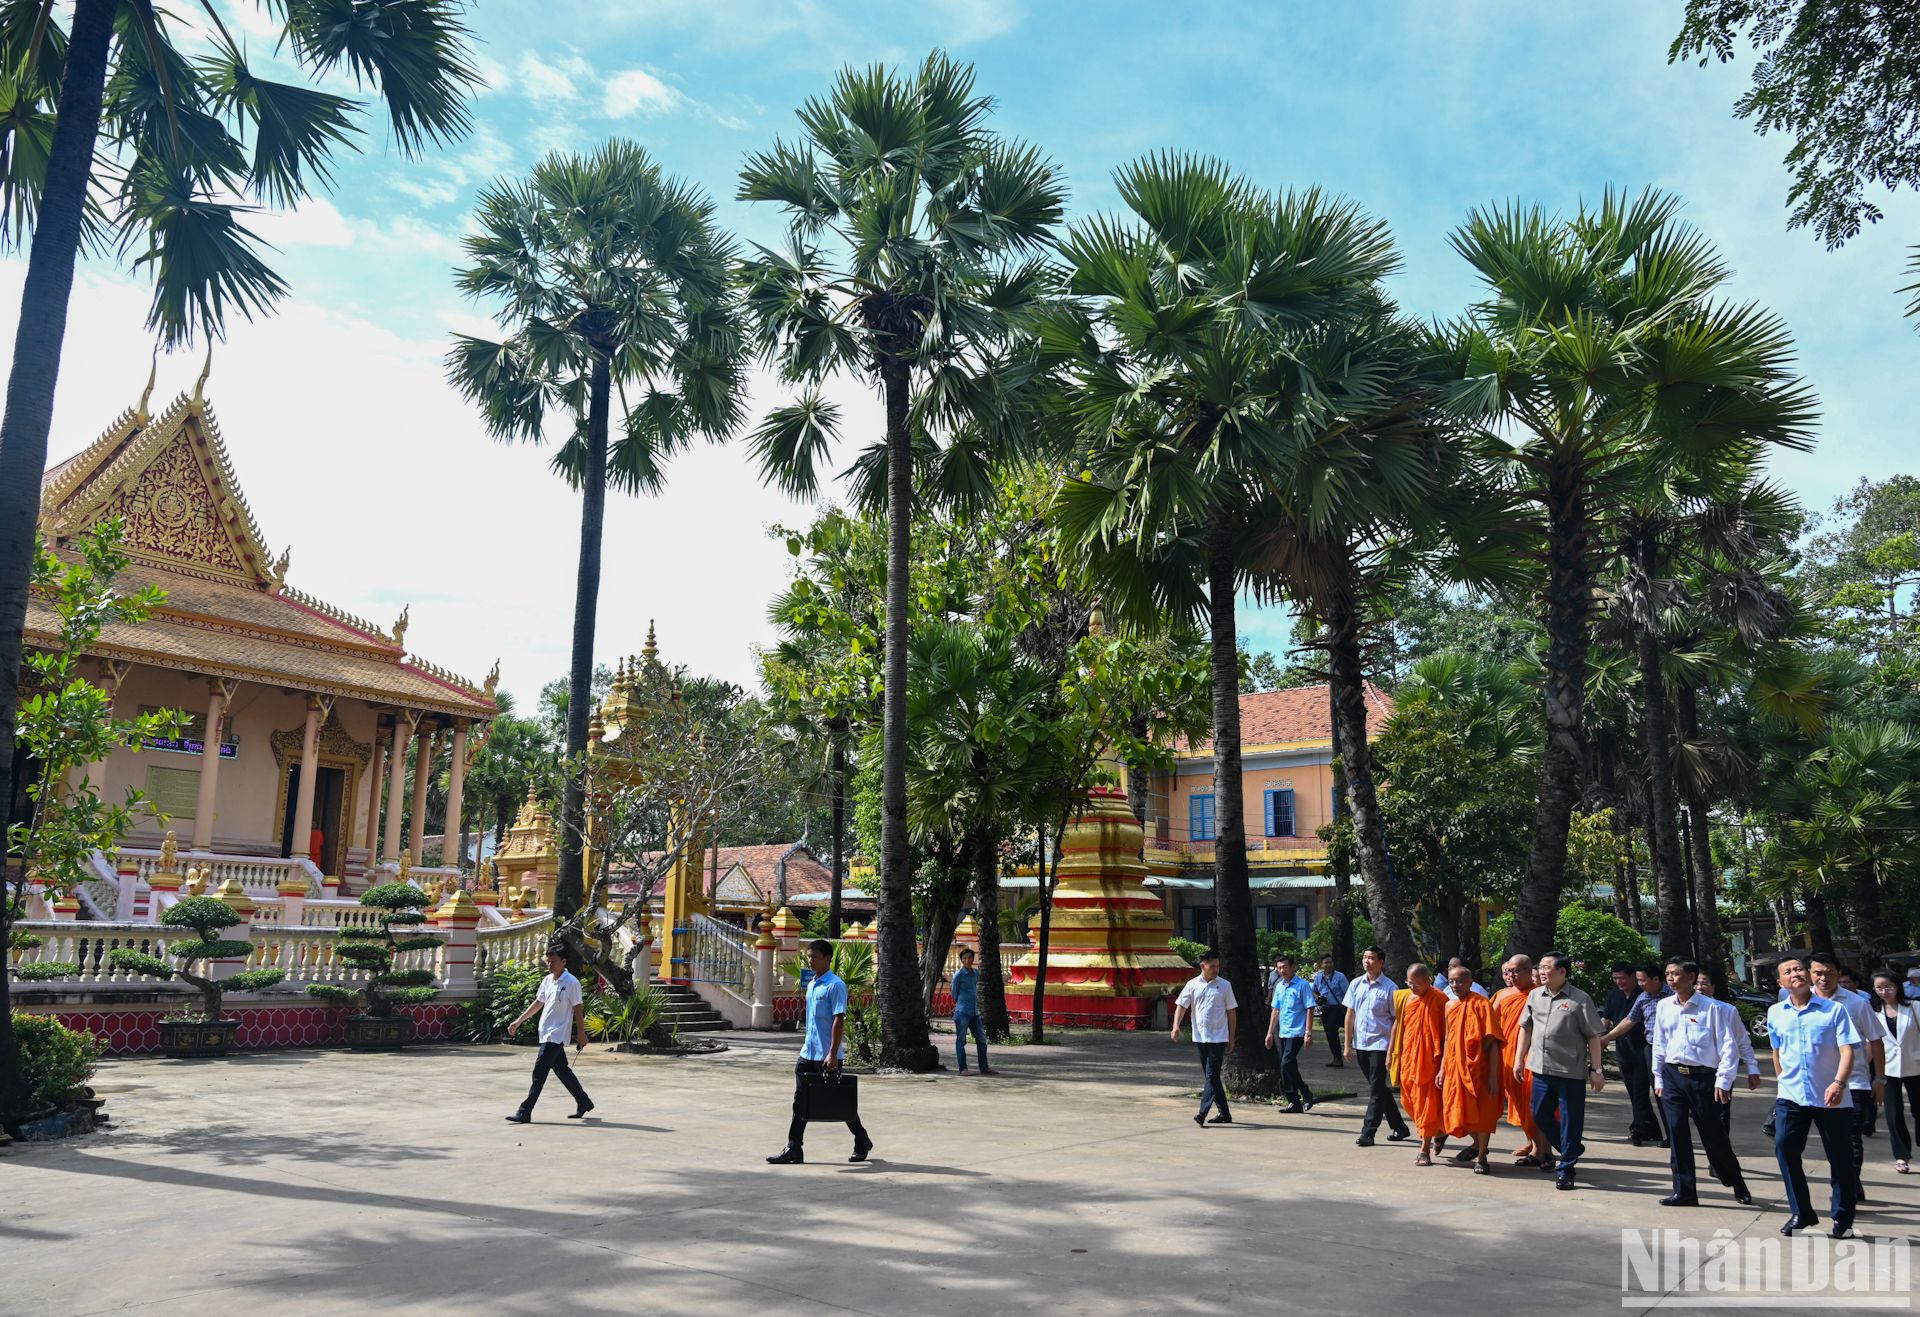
(352, 447)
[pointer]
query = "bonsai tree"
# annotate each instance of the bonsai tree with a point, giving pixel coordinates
(373, 949)
(207, 916)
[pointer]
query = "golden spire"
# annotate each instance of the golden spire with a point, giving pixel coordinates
(140, 413)
(200, 385)
(278, 573)
(400, 626)
(651, 654)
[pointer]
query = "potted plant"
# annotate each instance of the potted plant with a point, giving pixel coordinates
(207, 1033)
(386, 989)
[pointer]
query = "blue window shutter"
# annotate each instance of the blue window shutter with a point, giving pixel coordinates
(1270, 831)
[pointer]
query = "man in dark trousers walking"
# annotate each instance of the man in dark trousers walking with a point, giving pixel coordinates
(1695, 1055)
(825, 1014)
(1330, 999)
(562, 1016)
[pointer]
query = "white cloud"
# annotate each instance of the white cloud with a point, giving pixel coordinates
(958, 22)
(636, 91)
(559, 81)
(315, 222)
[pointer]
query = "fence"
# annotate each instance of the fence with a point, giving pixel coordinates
(524, 943)
(719, 953)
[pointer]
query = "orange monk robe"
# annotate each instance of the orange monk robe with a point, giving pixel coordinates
(1400, 996)
(1471, 1097)
(1510, 1007)
(1422, 1030)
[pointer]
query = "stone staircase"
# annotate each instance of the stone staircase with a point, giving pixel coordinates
(688, 1012)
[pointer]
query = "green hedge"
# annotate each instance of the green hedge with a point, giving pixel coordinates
(56, 1062)
(1594, 939)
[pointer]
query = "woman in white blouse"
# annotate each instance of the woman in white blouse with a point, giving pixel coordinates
(1901, 1019)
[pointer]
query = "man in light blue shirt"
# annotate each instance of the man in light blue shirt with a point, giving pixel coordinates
(1289, 1029)
(1369, 1031)
(966, 1013)
(825, 1016)
(1815, 1045)
(1330, 999)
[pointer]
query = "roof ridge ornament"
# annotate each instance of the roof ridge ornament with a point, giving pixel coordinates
(140, 413)
(200, 385)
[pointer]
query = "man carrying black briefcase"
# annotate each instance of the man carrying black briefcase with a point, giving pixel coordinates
(820, 1091)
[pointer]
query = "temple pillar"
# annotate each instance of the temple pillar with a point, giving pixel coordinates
(403, 726)
(317, 710)
(113, 673)
(423, 749)
(456, 786)
(223, 691)
(376, 783)
(459, 918)
(763, 949)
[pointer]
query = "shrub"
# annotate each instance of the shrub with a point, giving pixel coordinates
(55, 1062)
(503, 995)
(1270, 942)
(1594, 939)
(36, 971)
(1189, 949)
(207, 916)
(634, 1018)
(373, 950)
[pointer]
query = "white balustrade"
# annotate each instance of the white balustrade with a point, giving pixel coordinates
(88, 945)
(524, 943)
(259, 875)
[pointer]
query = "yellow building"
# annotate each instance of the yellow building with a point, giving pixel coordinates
(303, 716)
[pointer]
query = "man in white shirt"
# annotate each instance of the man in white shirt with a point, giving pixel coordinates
(1865, 1081)
(1208, 998)
(1695, 1056)
(562, 1016)
(1369, 1034)
(1712, 983)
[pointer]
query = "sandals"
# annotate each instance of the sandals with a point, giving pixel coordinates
(1900, 1167)
(1526, 1159)
(1423, 1160)
(1480, 1167)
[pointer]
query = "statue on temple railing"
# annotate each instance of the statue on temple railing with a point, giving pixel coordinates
(169, 852)
(196, 884)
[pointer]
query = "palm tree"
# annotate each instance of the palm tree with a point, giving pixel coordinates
(612, 278)
(1182, 380)
(914, 248)
(109, 133)
(1601, 354)
(516, 757)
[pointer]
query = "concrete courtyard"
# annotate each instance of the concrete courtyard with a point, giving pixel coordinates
(1075, 1182)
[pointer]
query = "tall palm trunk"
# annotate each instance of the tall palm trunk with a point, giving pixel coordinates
(903, 1017)
(1567, 615)
(37, 342)
(1037, 1028)
(838, 772)
(1344, 959)
(1819, 922)
(569, 888)
(1391, 927)
(1710, 941)
(986, 909)
(1232, 893)
(1663, 804)
(1863, 893)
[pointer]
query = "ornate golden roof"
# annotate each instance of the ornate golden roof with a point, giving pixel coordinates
(228, 611)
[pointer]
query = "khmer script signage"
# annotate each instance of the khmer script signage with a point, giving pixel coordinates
(187, 745)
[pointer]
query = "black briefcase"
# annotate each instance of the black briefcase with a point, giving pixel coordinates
(830, 1097)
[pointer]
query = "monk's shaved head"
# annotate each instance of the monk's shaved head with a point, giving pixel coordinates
(1419, 973)
(1459, 975)
(1521, 965)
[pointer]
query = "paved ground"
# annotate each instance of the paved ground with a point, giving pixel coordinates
(326, 1182)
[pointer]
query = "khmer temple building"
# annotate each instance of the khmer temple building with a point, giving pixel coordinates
(303, 717)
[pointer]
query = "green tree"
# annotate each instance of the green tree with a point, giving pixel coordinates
(517, 757)
(1180, 381)
(370, 949)
(914, 246)
(1594, 940)
(207, 916)
(65, 725)
(111, 134)
(610, 277)
(1604, 356)
(1861, 563)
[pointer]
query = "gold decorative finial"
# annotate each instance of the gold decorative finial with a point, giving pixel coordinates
(400, 626)
(140, 413)
(493, 679)
(278, 575)
(169, 852)
(200, 385)
(651, 654)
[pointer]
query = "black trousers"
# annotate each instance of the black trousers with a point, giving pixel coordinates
(1333, 1020)
(1857, 1137)
(1291, 1084)
(1790, 1122)
(1689, 1097)
(1637, 1078)
(1902, 1095)
(797, 1129)
(1212, 1091)
(553, 1057)
(1380, 1100)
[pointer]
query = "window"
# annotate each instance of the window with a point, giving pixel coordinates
(1280, 812)
(1200, 818)
(1291, 919)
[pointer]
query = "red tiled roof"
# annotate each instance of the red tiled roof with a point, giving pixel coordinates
(1299, 714)
(805, 873)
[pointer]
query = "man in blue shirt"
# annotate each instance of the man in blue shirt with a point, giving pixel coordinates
(825, 1016)
(1369, 1031)
(966, 1013)
(1815, 1046)
(1330, 999)
(1290, 1028)
(1631, 1031)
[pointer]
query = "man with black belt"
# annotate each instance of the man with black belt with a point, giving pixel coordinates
(1560, 1034)
(1864, 1083)
(1369, 1035)
(1330, 999)
(1630, 1032)
(1815, 1047)
(1695, 1056)
(825, 1014)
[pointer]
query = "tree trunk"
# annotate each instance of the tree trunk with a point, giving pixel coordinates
(1344, 959)
(986, 909)
(569, 887)
(1391, 927)
(1037, 1028)
(838, 771)
(210, 993)
(1864, 896)
(1819, 923)
(943, 917)
(1251, 1067)
(1663, 807)
(1567, 615)
(904, 1042)
(1138, 777)
(1710, 940)
(1636, 917)
(37, 343)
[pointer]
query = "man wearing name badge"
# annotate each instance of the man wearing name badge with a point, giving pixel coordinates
(1209, 999)
(1369, 1037)
(1330, 999)
(1560, 1036)
(1815, 1046)
(1695, 1056)
(1289, 1029)
(825, 1014)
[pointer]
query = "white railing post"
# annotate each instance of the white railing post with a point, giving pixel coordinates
(293, 900)
(458, 919)
(763, 949)
(643, 957)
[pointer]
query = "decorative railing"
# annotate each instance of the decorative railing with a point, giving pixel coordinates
(304, 955)
(259, 875)
(720, 953)
(88, 945)
(524, 943)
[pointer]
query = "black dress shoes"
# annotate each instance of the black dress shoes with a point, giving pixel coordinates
(787, 1156)
(862, 1149)
(1564, 1180)
(520, 1118)
(1743, 1195)
(1220, 1118)
(1799, 1223)
(1675, 1200)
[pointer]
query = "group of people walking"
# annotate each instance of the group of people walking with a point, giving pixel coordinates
(1459, 1058)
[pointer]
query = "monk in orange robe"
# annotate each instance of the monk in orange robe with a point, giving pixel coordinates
(1420, 1035)
(1509, 1008)
(1470, 1088)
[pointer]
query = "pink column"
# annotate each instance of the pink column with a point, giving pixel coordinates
(460, 918)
